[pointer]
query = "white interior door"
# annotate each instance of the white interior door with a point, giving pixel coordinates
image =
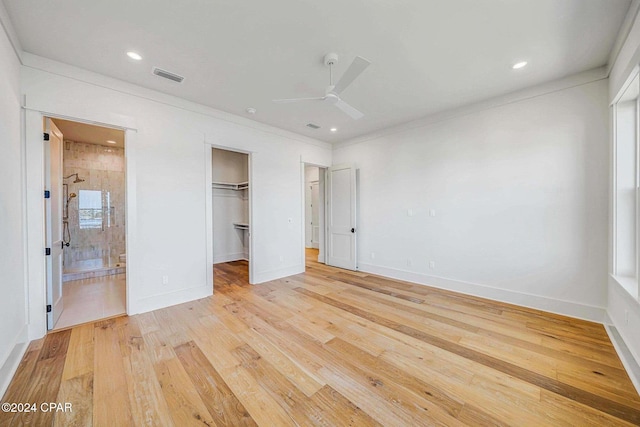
(341, 213)
(308, 215)
(53, 224)
(315, 217)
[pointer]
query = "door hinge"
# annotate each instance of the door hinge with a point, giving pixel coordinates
(46, 136)
(48, 308)
(47, 194)
(47, 251)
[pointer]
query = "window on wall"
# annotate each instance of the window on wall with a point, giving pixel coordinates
(626, 180)
(90, 209)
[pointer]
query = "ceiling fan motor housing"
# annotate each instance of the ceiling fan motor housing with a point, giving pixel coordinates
(330, 59)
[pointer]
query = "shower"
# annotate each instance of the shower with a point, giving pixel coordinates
(66, 233)
(71, 196)
(77, 180)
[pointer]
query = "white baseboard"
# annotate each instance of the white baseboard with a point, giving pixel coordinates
(266, 276)
(10, 365)
(171, 298)
(217, 259)
(628, 361)
(566, 308)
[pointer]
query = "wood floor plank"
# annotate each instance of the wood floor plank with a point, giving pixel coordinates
(147, 402)
(328, 347)
(80, 354)
(44, 383)
(301, 408)
(184, 402)
(78, 391)
(110, 382)
(220, 401)
(305, 380)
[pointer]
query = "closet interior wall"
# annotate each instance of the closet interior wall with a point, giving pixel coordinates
(230, 186)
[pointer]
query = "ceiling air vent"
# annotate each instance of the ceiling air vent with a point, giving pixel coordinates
(167, 75)
(312, 126)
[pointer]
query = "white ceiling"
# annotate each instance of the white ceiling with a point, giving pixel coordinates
(427, 55)
(91, 134)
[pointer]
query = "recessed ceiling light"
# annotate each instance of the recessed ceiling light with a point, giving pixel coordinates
(111, 141)
(251, 110)
(334, 129)
(134, 55)
(519, 65)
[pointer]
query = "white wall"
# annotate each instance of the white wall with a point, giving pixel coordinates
(12, 258)
(229, 206)
(519, 193)
(167, 173)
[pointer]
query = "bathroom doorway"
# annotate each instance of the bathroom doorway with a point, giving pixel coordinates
(92, 223)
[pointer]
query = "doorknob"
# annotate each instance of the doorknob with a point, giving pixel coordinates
(353, 230)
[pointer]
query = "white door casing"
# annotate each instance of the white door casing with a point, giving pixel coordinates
(53, 221)
(341, 218)
(315, 214)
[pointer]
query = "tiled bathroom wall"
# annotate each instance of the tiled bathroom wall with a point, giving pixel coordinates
(98, 241)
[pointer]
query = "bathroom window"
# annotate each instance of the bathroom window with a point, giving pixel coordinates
(90, 209)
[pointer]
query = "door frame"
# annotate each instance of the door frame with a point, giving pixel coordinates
(54, 261)
(322, 212)
(33, 208)
(208, 179)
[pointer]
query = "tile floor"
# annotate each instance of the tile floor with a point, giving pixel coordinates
(87, 300)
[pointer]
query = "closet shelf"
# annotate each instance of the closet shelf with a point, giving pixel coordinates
(241, 225)
(230, 185)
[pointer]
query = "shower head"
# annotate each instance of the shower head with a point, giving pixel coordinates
(77, 180)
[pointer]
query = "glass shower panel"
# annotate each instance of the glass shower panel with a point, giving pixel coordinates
(96, 216)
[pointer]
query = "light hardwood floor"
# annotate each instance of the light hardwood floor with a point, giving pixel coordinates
(328, 347)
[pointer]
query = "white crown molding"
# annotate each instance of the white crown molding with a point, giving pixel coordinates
(623, 33)
(568, 82)
(69, 71)
(7, 26)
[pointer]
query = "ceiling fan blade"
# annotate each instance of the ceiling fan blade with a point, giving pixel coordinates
(355, 69)
(284, 101)
(352, 112)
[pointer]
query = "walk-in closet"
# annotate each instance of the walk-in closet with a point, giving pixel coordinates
(230, 187)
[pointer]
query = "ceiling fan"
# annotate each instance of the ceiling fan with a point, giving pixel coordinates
(332, 93)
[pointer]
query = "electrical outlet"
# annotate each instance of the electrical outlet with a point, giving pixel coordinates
(373, 255)
(281, 258)
(432, 265)
(165, 280)
(432, 212)
(409, 212)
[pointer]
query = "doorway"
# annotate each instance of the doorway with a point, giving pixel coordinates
(230, 190)
(314, 212)
(86, 220)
